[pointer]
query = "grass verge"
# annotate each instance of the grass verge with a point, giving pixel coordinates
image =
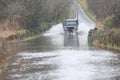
(106, 46)
(3, 56)
(107, 39)
(26, 38)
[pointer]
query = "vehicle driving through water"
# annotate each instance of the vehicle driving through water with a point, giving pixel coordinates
(71, 25)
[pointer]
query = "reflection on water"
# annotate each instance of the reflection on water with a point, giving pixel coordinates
(71, 40)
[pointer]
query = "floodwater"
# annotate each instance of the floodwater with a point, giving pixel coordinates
(56, 56)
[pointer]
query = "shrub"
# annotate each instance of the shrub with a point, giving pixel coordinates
(108, 21)
(23, 33)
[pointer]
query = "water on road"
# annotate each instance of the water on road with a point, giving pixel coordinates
(56, 56)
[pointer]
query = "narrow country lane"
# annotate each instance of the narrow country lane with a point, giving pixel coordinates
(55, 56)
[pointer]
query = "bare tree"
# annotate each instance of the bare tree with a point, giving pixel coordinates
(104, 8)
(32, 13)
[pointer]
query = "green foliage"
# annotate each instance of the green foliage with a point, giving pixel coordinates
(23, 33)
(108, 21)
(101, 31)
(111, 37)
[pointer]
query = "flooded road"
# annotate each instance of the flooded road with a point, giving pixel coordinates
(56, 56)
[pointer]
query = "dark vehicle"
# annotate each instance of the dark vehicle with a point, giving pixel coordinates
(70, 25)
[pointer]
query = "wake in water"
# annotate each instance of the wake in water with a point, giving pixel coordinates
(55, 30)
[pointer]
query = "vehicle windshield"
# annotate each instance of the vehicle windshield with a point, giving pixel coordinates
(70, 23)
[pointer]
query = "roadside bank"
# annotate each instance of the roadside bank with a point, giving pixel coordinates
(3, 55)
(106, 39)
(19, 36)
